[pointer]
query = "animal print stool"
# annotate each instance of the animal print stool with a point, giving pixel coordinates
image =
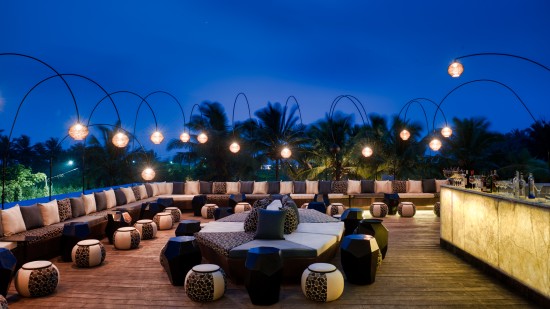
(378, 209)
(176, 213)
(207, 211)
(437, 209)
(126, 238)
(242, 207)
(406, 209)
(205, 282)
(163, 220)
(88, 253)
(36, 279)
(147, 228)
(322, 282)
(335, 209)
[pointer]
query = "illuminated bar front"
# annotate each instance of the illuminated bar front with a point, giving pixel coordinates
(510, 235)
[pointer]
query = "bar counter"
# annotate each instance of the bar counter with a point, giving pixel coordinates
(503, 235)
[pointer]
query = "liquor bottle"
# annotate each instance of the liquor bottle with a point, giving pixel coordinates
(531, 185)
(522, 186)
(489, 183)
(515, 185)
(494, 182)
(483, 182)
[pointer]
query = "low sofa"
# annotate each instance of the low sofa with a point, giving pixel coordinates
(309, 237)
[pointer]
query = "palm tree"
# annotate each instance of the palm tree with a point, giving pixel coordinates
(23, 150)
(274, 131)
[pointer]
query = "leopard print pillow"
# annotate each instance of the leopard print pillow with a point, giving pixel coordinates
(136, 193)
(399, 186)
(291, 219)
(64, 208)
(251, 221)
(219, 187)
(262, 203)
(340, 186)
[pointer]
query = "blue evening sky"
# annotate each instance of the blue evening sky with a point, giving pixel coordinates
(383, 52)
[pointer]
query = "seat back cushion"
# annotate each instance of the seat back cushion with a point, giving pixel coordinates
(270, 224)
(286, 187)
(12, 221)
(354, 187)
(299, 187)
(247, 187)
(50, 212)
(77, 207)
(64, 208)
(219, 187)
(178, 188)
(367, 186)
(192, 187)
(100, 201)
(273, 187)
(111, 197)
(89, 203)
(121, 197)
(32, 216)
(324, 187)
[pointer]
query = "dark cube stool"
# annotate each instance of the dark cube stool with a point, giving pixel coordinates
(73, 232)
(149, 210)
(374, 227)
(197, 203)
(188, 227)
(351, 218)
(234, 199)
(178, 256)
(221, 212)
(264, 273)
(165, 201)
(359, 255)
(319, 206)
(7, 270)
(116, 220)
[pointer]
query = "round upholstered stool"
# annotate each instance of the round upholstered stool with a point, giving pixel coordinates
(378, 209)
(207, 211)
(335, 209)
(242, 207)
(147, 228)
(304, 205)
(126, 238)
(406, 209)
(322, 282)
(176, 213)
(88, 253)
(205, 282)
(163, 220)
(35, 279)
(437, 209)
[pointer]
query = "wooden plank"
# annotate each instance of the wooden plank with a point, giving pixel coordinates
(415, 273)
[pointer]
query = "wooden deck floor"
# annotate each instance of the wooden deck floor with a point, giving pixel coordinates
(415, 273)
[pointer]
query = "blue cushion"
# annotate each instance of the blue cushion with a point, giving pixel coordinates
(270, 224)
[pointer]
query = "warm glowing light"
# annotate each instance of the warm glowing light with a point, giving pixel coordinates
(446, 132)
(435, 144)
(367, 152)
(185, 137)
(405, 134)
(157, 137)
(120, 140)
(78, 132)
(455, 69)
(234, 147)
(148, 174)
(202, 138)
(286, 153)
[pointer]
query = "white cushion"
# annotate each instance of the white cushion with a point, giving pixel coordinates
(275, 205)
(312, 187)
(260, 187)
(354, 187)
(178, 197)
(169, 187)
(319, 242)
(414, 186)
(12, 221)
(89, 203)
(192, 187)
(129, 193)
(233, 187)
(50, 211)
(110, 197)
(329, 228)
(382, 186)
(142, 192)
(286, 187)
(222, 227)
(438, 184)
(155, 188)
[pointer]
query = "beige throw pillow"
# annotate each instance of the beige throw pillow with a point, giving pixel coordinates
(414, 186)
(50, 211)
(354, 187)
(260, 187)
(286, 187)
(89, 203)
(438, 184)
(111, 198)
(129, 193)
(12, 221)
(233, 187)
(312, 187)
(382, 186)
(192, 187)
